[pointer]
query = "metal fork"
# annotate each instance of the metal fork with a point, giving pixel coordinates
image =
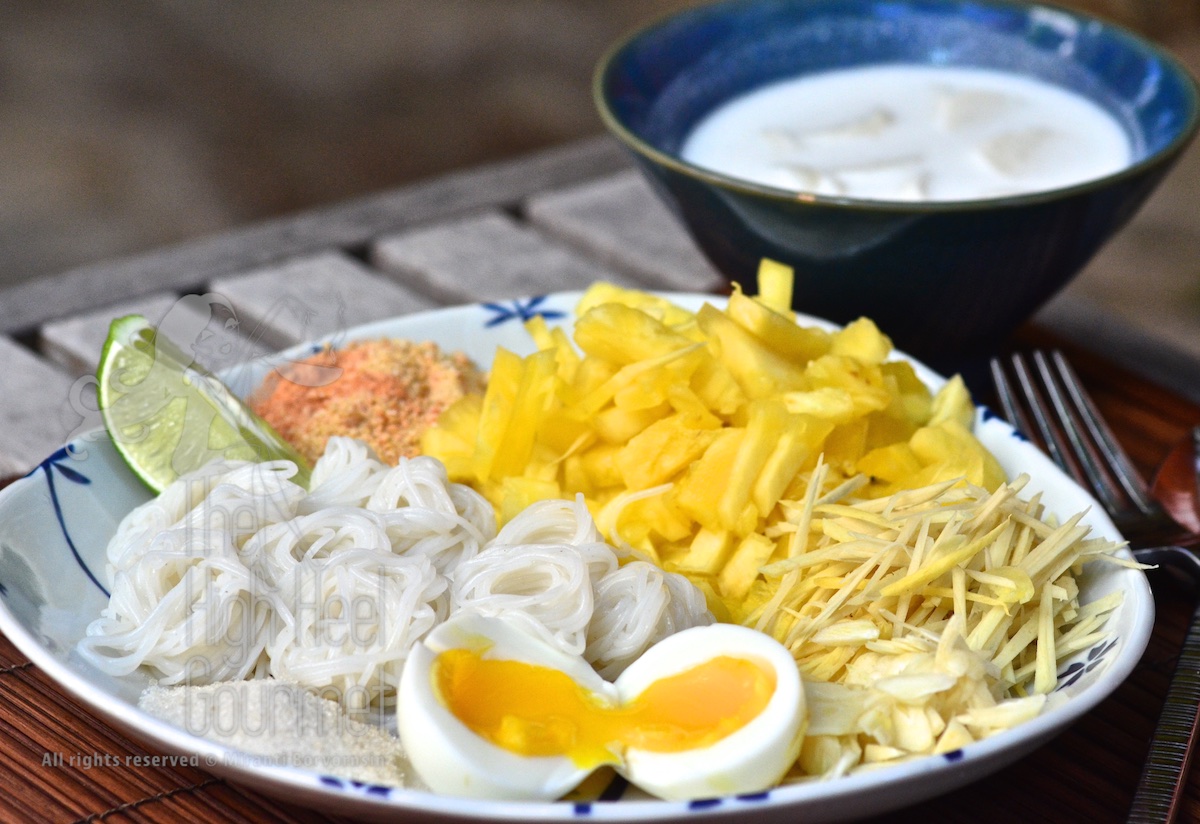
(1049, 405)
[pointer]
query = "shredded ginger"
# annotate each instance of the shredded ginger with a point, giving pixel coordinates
(928, 619)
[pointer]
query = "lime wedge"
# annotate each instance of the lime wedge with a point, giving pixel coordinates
(168, 415)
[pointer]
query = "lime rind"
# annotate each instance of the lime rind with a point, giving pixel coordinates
(168, 416)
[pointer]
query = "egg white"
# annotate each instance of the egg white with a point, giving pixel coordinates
(452, 759)
(448, 755)
(747, 760)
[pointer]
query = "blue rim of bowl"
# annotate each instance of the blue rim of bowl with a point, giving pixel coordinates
(744, 187)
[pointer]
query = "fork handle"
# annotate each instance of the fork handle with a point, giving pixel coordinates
(1164, 777)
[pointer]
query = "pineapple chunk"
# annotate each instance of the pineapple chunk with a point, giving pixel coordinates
(911, 399)
(780, 333)
(759, 371)
(768, 419)
(796, 448)
(949, 450)
(453, 439)
(862, 341)
(832, 403)
(661, 451)
(699, 491)
(645, 523)
(514, 446)
(775, 284)
(656, 307)
(846, 445)
(599, 466)
(516, 494)
(716, 387)
(861, 382)
(739, 572)
(953, 402)
(618, 426)
(624, 335)
(707, 553)
(556, 339)
(496, 411)
(892, 463)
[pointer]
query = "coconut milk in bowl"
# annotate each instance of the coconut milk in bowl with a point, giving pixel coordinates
(941, 167)
(912, 133)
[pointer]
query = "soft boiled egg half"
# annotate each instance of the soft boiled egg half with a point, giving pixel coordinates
(487, 710)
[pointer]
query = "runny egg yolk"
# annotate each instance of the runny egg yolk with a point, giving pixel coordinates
(534, 710)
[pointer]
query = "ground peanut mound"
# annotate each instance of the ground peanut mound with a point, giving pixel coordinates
(384, 392)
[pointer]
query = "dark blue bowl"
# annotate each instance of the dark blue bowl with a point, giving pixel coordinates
(938, 277)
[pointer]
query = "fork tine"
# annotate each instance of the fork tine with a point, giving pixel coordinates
(1013, 410)
(1086, 453)
(1071, 429)
(1047, 402)
(1036, 424)
(1056, 444)
(1123, 470)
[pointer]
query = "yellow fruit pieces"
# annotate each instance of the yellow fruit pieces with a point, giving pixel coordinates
(685, 430)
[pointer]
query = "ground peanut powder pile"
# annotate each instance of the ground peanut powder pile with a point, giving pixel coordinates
(383, 392)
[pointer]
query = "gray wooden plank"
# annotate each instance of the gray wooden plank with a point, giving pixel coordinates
(312, 297)
(74, 343)
(620, 221)
(349, 225)
(38, 410)
(202, 324)
(487, 256)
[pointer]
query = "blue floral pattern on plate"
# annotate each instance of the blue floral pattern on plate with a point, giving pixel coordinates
(520, 310)
(1096, 656)
(58, 462)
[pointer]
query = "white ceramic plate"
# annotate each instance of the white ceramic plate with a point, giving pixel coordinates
(56, 522)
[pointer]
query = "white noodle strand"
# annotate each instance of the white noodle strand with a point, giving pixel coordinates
(636, 607)
(235, 572)
(347, 474)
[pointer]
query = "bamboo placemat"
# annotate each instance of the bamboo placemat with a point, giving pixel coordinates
(1088, 773)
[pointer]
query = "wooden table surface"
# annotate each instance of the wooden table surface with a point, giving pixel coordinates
(557, 220)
